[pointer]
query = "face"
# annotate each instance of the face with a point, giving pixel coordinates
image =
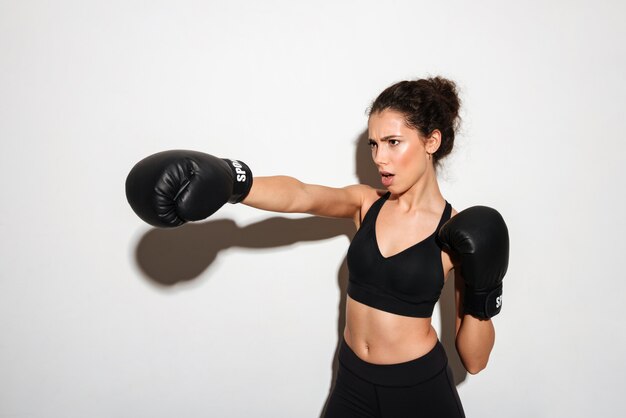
(399, 152)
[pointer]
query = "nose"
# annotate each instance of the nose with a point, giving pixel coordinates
(379, 156)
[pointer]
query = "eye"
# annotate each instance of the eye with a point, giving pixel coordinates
(393, 142)
(371, 143)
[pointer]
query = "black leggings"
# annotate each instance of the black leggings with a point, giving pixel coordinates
(423, 387)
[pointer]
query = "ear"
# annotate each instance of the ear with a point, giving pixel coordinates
(433, 141)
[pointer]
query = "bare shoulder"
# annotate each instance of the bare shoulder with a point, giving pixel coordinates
(343, 202)
(369, 196)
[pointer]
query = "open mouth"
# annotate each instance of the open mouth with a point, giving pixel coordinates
(387, 178)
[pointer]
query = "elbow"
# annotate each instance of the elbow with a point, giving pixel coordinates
(473, 364)
(475, 369)
(476, 366)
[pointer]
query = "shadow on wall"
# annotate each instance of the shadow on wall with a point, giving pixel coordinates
(171, 256)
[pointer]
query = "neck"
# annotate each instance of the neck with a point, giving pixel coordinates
(424, 194)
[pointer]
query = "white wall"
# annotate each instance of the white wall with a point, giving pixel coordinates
(102, 316)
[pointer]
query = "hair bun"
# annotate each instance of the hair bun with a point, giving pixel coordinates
(448, 92)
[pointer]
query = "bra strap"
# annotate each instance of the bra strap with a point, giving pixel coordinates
(375, 208)
(445, 216)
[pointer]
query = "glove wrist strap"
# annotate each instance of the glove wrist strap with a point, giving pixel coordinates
(242, 180)
(482, 304)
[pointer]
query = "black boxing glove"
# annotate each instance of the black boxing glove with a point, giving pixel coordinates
(170, 188)
(478, 239)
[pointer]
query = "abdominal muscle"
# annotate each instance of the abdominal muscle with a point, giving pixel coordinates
(380, 337)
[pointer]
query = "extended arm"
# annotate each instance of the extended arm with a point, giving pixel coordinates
(170, 188)
(287, 194)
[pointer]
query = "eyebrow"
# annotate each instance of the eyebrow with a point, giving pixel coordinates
(387, 138)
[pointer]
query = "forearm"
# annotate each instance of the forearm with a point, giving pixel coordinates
(275, 193)
(474, 342)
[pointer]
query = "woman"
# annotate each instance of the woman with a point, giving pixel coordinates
(391, 363)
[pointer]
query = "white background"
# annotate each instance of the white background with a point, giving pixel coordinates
(239, 316)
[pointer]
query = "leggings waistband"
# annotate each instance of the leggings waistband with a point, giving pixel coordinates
(408, 373)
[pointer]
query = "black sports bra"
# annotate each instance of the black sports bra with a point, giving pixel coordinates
(407, 283)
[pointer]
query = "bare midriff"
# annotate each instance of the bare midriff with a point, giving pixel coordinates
(380, 337)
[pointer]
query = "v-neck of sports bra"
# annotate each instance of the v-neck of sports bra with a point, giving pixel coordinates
(409, 247)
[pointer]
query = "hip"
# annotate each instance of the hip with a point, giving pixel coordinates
(406, 373)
